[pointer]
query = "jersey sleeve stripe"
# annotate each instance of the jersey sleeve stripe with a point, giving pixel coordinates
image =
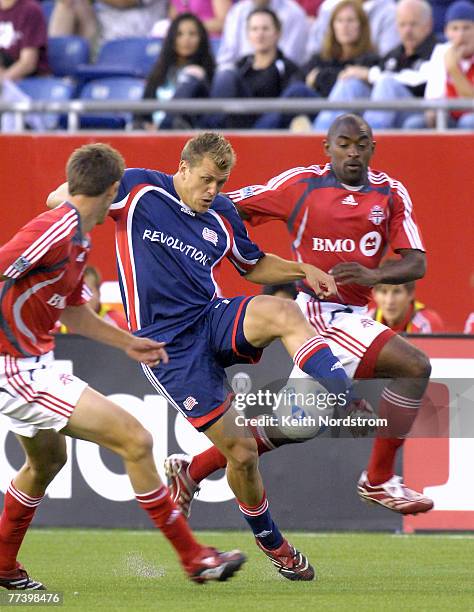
(409, 225)
(276, 182)
(45, 241)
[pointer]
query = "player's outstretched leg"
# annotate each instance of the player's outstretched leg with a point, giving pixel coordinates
(45, 456)
(98, 420)
(240, 450)
(399, 403)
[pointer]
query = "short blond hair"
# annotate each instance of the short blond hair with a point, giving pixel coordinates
(214, 146)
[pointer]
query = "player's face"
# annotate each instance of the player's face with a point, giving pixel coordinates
(201, 183)
(187, 39)
(346, 26)
(461, 35)
(350, 148)
(393, 301)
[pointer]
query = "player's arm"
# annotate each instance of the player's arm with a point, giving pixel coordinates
(411, 266)
(272, 270)
(58, 196)
(83, 320)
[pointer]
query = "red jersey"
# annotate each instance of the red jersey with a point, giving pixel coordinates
(330, 223)
(419, 320)
(44, 263)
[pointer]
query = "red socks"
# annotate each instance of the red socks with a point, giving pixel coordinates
(166, 516)
(17, 514)
(211, 460)
(400, 412)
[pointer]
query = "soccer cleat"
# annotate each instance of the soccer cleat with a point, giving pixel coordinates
(290, 562)
(393, 495)
(182, 487)
(211, 564)
(18, 580)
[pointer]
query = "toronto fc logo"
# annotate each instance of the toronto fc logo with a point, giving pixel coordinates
(376, 215)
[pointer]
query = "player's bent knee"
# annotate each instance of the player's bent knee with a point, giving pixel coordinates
(284, 315)
(243, 455)
(139, 444)
(419, 365)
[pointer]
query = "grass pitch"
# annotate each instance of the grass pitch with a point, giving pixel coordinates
(136, 570)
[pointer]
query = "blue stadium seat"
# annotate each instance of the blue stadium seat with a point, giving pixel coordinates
(66, 53)
(49, 89)
(120, 88)
(133, 57)
(47, 6)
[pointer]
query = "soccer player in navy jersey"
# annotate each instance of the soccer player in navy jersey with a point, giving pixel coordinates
(41, 281)
(342, 216)
(172, 233)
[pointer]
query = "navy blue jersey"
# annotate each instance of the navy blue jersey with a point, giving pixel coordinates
(168, 254)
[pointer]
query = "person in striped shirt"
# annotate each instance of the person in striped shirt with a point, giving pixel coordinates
(342, 216)
(41, 281)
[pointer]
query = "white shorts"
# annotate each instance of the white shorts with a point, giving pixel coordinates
(35, 394)
(352, 335)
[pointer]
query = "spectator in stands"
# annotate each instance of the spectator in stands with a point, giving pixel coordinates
(451, 68)
(287, 291)
(397, 308)
(23, 40)
(401, 74)
(263, 74)
(114, 316)
(211, 12)
(381, 14)
(128, 18)
(73, 18)
(184, 69)
(346, 43)
(236, 44)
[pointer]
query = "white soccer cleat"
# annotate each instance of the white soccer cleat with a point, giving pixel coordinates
(393, 495)
(182, 486)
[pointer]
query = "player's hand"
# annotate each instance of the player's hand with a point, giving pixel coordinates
(147, 351)
(361, 409)
(321, 283)
(353, 272)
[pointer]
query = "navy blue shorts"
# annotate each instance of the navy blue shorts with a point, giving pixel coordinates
(194, 380)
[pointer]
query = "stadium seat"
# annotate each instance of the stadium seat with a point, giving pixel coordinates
(120, 88)
(66, 53)
(49, 89)
(132, 57)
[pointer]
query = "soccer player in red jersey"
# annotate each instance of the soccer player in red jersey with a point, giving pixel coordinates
(342, 216)
(41, 281)
(397, 308)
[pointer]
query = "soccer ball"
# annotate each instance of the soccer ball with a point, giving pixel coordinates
(303, 406)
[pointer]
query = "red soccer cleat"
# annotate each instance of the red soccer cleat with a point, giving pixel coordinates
(211, 564)
(18, 580)
(393, 495)
(182, 487)
(290, 562)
